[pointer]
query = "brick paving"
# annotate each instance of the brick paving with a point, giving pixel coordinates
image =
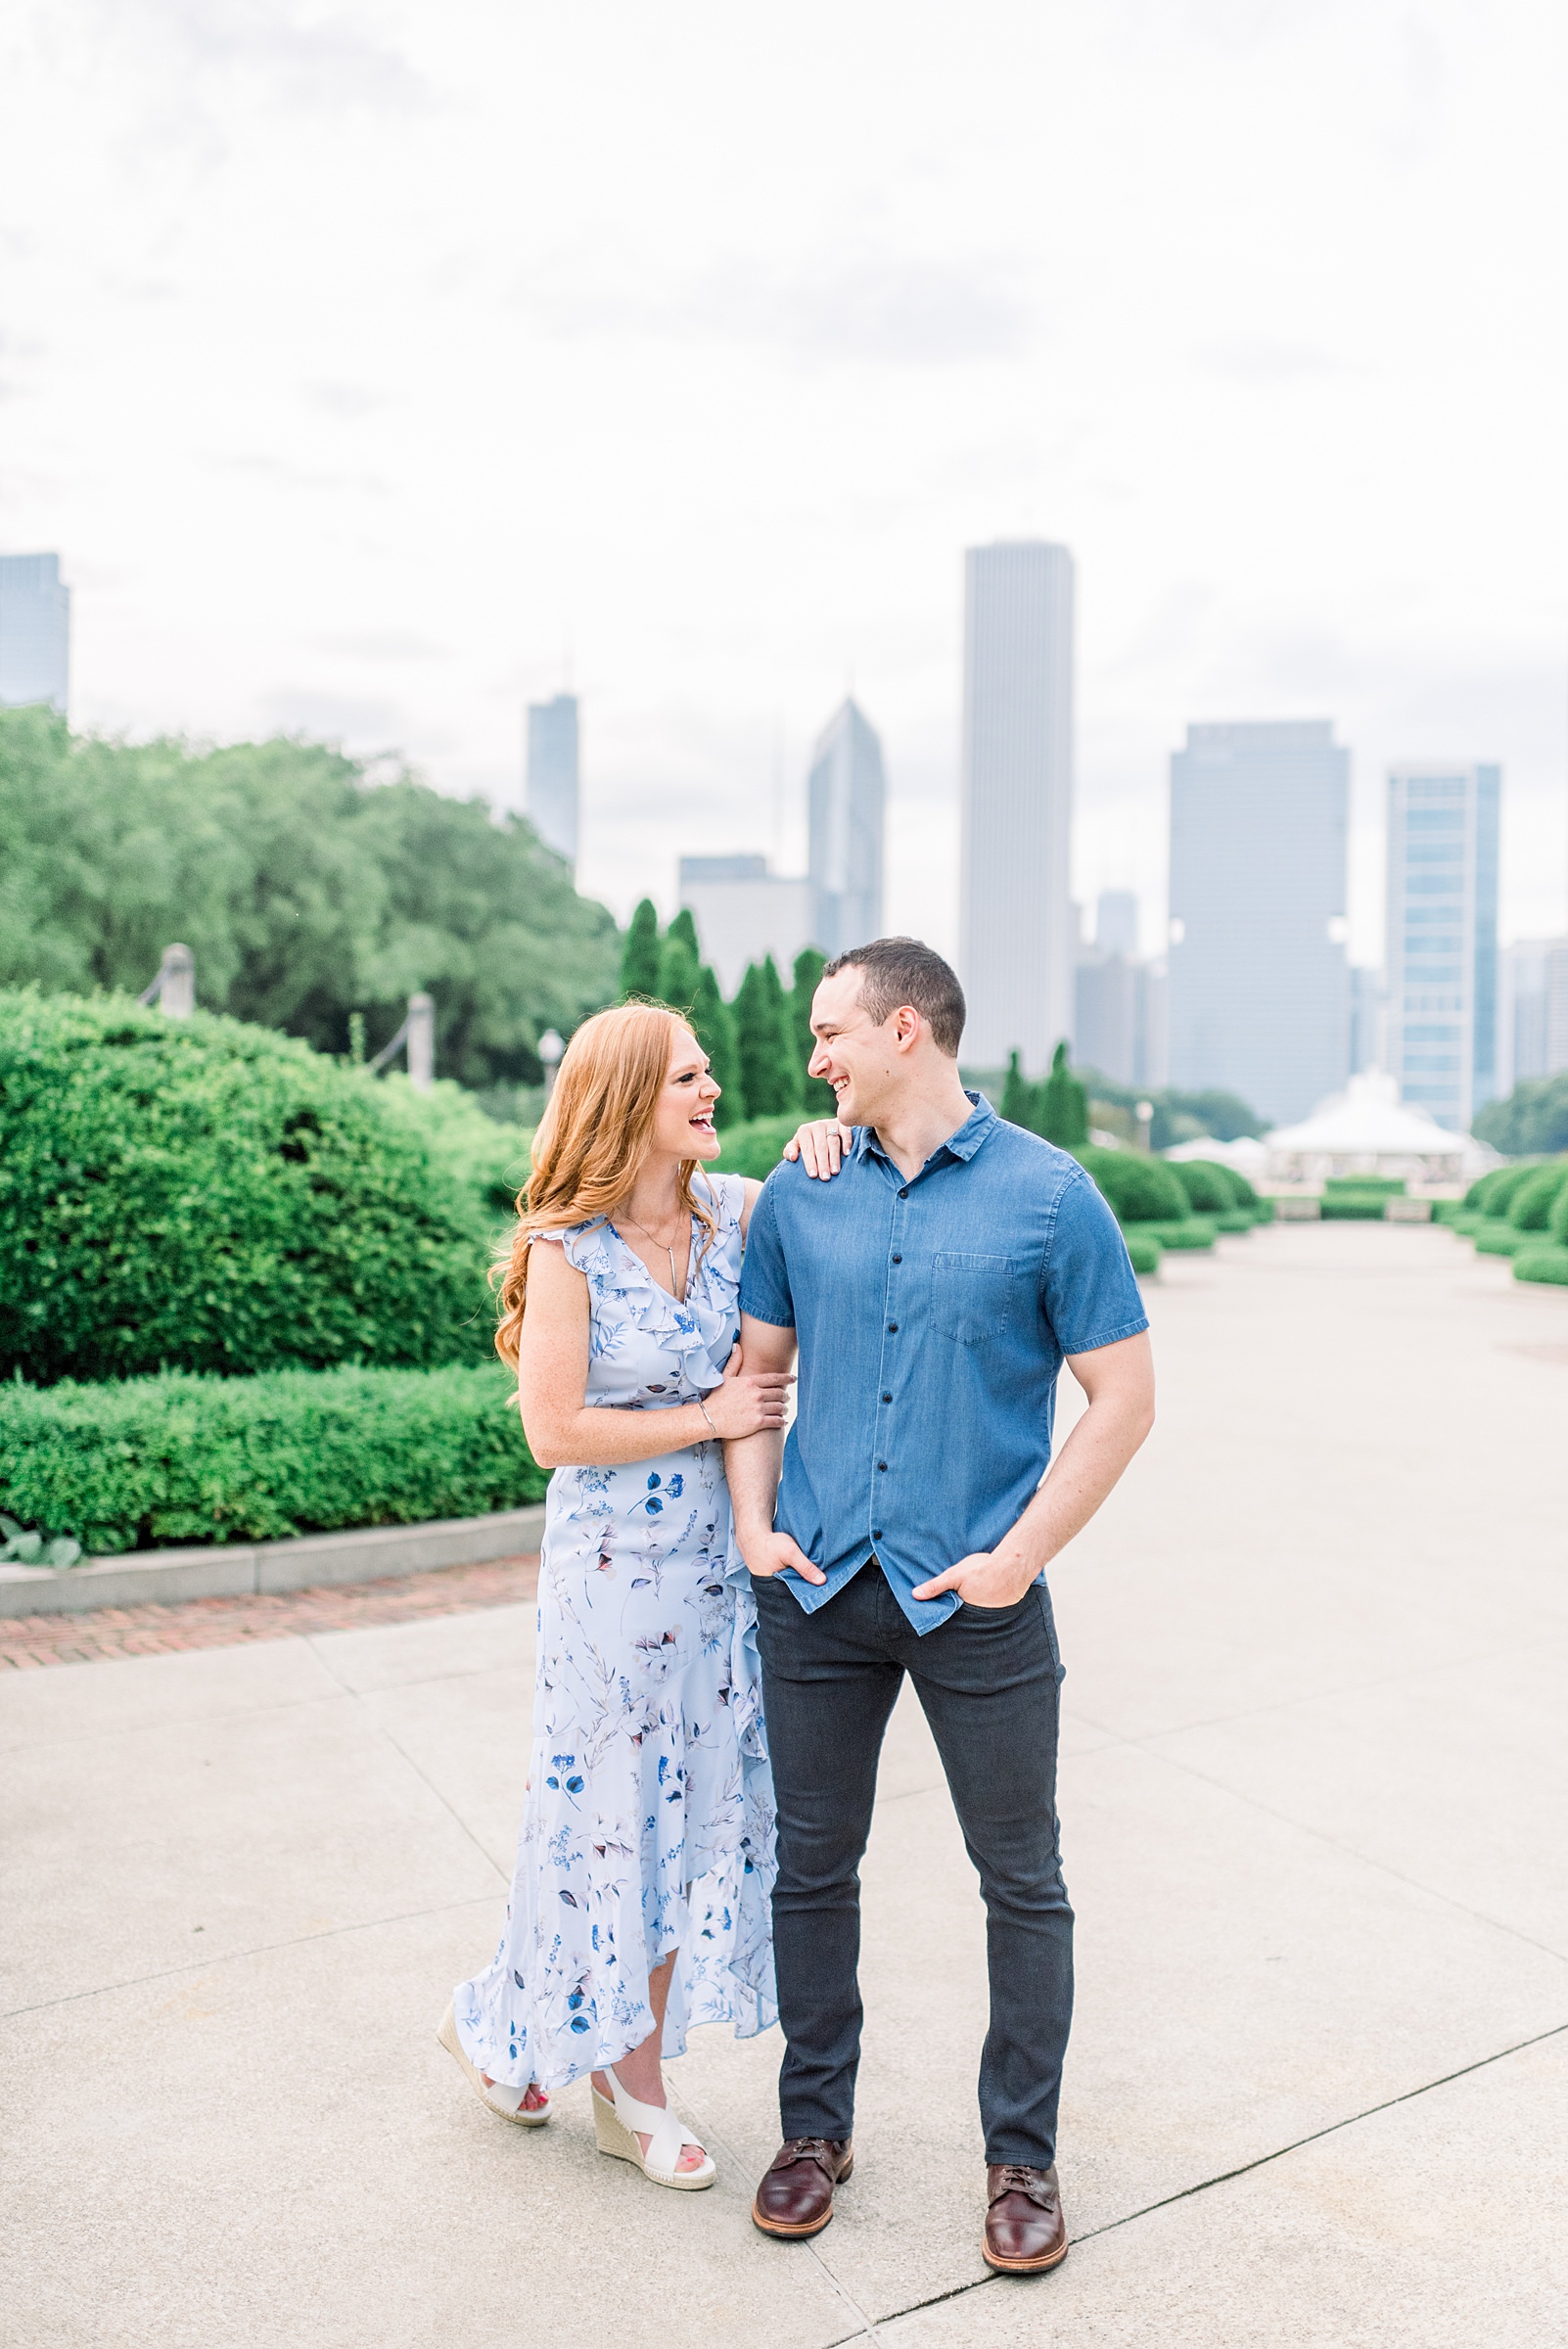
(108, 1634)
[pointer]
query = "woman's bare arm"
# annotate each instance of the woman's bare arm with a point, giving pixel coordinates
(552, 1380)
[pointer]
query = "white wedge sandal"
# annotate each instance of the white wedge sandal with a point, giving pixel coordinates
(506, 2102)
(616, 2125)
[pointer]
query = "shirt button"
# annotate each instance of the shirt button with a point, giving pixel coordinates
(898, 1259)
(887, 1397)
(893, 1329)
(903, 1194)
(876, 1535)
(882, 1467)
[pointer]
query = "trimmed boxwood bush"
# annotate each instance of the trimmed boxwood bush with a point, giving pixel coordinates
(1387, 1186)
(1356, 1206)
(1557, 1220)
(1548, 1262)
(1493, 1194)
(1497, 1238)
(1143, 1251)
(1209, 1186)
(203, 1195)
(1185, 1231)
(1530, 1208)
(756, 1147)
(141, 1463)
(1139, 1189)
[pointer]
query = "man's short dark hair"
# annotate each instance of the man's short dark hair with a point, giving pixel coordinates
(899, 971)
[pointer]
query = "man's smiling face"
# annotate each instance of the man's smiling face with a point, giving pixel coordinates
(857, 1059)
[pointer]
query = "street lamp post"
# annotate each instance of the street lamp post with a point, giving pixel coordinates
(550, 1049)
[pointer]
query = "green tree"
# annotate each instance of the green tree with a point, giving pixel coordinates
(715, 1029)
(1020, 1101)
(769, 1078)
(1531, 1120)
(640, 955)
(306, 892)
(678, 968)
(1064, 1105)
(817, 1098)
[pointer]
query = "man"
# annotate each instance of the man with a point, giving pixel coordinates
(934, 1287)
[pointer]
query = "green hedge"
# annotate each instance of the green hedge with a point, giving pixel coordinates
(146, 1462)
(1183, 1232)
(1386, 1186)
(1496, 1236)
(1140, 1189)
(1530, 1208)
(1548, 1263)
(1209, 1186)
(1493, 1194)
(203, 1195)
(1143, 1251)
(756, 1147)
(1353, 1207)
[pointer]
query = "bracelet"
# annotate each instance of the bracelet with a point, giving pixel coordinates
(703, 1407)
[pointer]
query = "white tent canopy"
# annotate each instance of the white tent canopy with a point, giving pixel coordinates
(1370, 1131)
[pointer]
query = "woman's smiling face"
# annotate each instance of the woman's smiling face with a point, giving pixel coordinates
(683, 1125)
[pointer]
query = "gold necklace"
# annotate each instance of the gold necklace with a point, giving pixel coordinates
(667, 1246)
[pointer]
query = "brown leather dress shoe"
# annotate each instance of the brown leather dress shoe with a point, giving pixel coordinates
(795, 2197)
(1024, 2230)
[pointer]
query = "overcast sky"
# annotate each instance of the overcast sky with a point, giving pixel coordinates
(375, 368)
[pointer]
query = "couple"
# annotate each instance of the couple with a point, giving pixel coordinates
(691, 1676)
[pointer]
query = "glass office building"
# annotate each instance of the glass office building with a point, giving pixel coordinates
(846, 799)
(34, 632)
(553, 783)
(1259, 995)
(1016, 934)
(1443, 937)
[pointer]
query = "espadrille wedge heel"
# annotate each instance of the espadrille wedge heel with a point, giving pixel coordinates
(616, 2125)
(505, 2102)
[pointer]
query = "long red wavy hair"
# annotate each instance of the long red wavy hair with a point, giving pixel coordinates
(592, 1142)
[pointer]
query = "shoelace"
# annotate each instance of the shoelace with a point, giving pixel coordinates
(1018, 2179)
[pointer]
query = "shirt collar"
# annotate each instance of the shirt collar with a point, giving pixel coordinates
(961, 1145)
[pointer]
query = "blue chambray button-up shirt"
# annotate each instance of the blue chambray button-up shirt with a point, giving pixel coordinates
(933, 1316)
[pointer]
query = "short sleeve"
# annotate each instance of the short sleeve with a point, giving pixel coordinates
(1091, 1294)
(765, 1291)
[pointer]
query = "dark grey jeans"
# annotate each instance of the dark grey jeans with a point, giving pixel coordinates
(988, 1681)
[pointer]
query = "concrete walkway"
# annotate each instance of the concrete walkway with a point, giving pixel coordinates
(1314, 1823)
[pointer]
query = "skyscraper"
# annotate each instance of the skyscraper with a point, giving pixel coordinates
(552, 786)
(34, 631)
(1017, 940)
(846, 792)
(743, 911)
(1443, 937)
(1533, 1011)
(1259, 995)
(1116, 923)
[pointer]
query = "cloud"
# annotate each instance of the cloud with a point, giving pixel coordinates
(889, 308)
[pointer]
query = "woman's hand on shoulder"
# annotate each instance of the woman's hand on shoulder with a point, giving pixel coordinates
(820, 1145)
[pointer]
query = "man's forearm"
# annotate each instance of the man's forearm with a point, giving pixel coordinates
(753, 1465)
(1083, 1473)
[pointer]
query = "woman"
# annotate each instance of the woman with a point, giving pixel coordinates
(640, 1899)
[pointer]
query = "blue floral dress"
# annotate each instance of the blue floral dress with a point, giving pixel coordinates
(648, 1823)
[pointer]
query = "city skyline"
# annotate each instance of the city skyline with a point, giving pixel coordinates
(505, 429)
(552, 784)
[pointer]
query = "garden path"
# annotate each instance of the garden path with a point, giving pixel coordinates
(1314, 1801)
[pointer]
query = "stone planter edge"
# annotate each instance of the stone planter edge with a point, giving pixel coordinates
(365, 1554)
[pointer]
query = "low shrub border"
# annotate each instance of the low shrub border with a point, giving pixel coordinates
(1538, 1262)
(146, 1464)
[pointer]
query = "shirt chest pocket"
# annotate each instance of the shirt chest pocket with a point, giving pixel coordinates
(974, 1298)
